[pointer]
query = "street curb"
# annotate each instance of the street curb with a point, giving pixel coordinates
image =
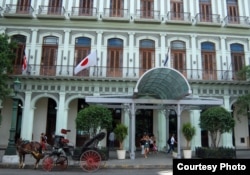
(124, 166)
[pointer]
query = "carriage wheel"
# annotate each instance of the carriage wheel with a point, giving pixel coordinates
(62, 162)
(48, 163)
(90, 160)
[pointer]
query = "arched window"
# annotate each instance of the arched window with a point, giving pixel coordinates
(49, 55)
(20, 53)
(147, 55)
(178, 56)
(208, 61)
(115, 57)
(237, 58)
(82, 49)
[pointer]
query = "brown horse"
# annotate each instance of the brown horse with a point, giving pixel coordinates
(28, 147)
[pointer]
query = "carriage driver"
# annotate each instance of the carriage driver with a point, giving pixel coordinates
(43, 141)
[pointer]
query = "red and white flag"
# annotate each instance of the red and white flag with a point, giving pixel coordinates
(88, 61)
(24, 66)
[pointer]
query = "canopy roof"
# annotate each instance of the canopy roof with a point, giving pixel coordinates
(162, 83)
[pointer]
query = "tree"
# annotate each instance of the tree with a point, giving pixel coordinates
(216, 120)
(6, 59)
(92, 118)
(243, 102)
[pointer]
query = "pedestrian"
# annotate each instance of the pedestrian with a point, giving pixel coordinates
(142, 142)
(171, 144)
(146, 146)
(43, 141)
(111, 139)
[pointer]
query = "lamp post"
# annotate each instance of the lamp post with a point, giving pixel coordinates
(11, 149)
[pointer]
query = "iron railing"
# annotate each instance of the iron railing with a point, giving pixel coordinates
(51, 10)
(17, 9)
(123, 72)
(148, 14)
(116, 13)
(78, 11)
(212, 18)
(243, 20)
(174, 16)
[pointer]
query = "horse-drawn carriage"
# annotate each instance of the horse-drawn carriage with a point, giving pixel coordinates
(89, 156)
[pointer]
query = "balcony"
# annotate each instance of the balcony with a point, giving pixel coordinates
(123, 73)
(51, 12)
(16, 11)
(211, 20)
(237, 21)
(120, 15)
(78, 13)
(179, 18)
(148, 16)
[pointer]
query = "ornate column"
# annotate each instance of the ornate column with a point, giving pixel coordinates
(163, 126)
(227, 140)
(61, 118)
(195, 120)
(28, 117)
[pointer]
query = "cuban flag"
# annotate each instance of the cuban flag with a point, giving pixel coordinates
(88, 61)
(24, 66)
(166, 59)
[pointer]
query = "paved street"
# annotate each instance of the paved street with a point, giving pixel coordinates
(80, 172)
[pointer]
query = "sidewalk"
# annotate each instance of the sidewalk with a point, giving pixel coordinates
(161, 160)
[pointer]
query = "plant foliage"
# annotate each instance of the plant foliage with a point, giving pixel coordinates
(92, 118)
(6, 59)
(121, 132)
(217, 120)
(188, 132)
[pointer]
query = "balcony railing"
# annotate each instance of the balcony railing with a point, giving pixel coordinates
(148, 14)
(212, 18)
(123, 72)
(51, 10)
(116, 13)
(17, 9)
(243, 20)
(78, 11)
(174, 16)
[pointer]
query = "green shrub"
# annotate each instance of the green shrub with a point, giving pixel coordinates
(215, 153)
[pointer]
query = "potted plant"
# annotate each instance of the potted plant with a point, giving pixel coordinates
(188, 132)
(121, 132)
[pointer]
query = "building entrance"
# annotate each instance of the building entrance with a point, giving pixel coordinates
(144, 124)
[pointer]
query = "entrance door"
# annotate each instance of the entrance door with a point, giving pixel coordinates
(144, 124)
(51, 121)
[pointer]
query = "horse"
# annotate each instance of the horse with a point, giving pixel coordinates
(28, 147)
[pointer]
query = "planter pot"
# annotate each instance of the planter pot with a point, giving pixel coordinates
(187, 154)
(121, 154)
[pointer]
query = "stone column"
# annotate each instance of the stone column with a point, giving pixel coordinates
(227, 140)
(27, 118)
(195, 120)
(61, 118)
(163, 125)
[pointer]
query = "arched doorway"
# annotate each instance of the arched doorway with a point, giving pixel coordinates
(51, 120)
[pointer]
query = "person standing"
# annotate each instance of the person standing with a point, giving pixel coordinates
(111, 140)
(171, 144)
(43, 141)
